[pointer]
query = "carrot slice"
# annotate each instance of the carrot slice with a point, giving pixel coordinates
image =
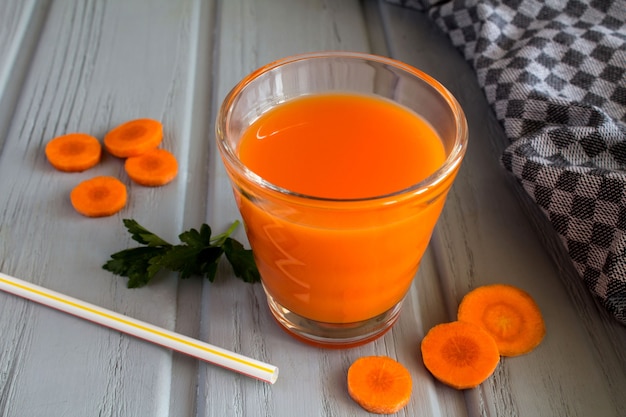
(153, 168)
(379, 384)
(134, 137)
(99, 196)
(73, 152)
(508, 313)
(460, 354)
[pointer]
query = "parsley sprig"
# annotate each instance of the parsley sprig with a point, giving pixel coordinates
(198, 254)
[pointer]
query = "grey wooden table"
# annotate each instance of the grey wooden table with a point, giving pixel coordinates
(87, 65)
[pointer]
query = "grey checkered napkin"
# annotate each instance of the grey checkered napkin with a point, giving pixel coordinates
(554, 72)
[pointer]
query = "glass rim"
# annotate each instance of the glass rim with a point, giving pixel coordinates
(450, 164)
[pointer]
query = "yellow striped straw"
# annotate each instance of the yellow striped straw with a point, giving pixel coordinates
(180, 343)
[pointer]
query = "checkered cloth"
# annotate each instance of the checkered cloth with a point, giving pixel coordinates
(554, 72)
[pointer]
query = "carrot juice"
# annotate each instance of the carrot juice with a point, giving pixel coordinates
(349, 264)
(340, 163)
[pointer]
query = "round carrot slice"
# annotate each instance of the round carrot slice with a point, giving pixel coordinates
(508, 313)
(153, 168)
(460, 354)
(379, 384)
(99, 196)
(134, 137)
(73, 152)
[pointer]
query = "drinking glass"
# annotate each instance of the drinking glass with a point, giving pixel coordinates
(335, 270)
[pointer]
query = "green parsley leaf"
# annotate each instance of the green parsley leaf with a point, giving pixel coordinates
(197, 255)
(135, 264)
(143, 236)
(242, 261)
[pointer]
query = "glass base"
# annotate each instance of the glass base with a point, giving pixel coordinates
(333, 335)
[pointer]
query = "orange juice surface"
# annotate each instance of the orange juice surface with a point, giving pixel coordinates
(341, 146)
(330, 264)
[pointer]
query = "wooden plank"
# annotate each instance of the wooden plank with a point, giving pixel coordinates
(20, 25)
(486, 236)
(96, 64)
(312, 381)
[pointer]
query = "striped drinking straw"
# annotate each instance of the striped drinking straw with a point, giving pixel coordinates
(180, 343)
